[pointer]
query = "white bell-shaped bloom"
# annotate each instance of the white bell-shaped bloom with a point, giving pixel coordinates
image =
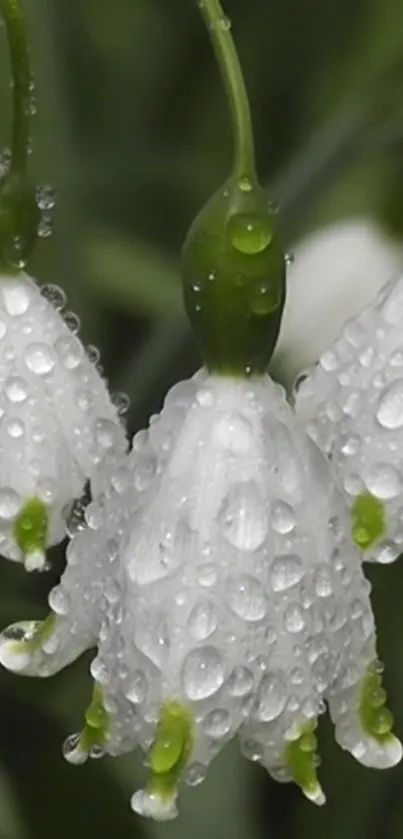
(218, 581)
(58, 426)
(336, 271)
(352, 404)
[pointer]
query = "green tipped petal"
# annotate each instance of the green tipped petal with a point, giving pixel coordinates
(31, 531)
(91, 741)
(234, 280)
(170, 751)
(368, 520)
(376, 719)
(301, 762)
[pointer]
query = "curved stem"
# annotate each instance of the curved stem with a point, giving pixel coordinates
(22, 82)
(219, 30)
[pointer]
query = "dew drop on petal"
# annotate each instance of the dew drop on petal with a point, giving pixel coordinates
(390, 407)
(271, 697)
(203, 619)
(240, 681)
(39, 358)
(16, 389)
(70, 351)
(217, 723)
(202, 673)
(243, 518)
(383, 481)
(54, 295)
(282, 518)
(16, 298)
(247, 598)
(10, 503)
(286, 572)
(137, 689)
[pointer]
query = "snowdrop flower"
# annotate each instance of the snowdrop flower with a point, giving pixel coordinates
(58, 426)
(217, 579)
(352, 403)
(335, 272)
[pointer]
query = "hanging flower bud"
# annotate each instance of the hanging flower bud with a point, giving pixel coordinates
(58, 427)
(218, 580)
(352, 403)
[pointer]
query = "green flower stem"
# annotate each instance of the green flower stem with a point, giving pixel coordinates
(218, 27)
(22, 83)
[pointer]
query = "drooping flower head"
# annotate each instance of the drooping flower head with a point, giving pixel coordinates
(218, 581)
(58, 425)
(352, 404)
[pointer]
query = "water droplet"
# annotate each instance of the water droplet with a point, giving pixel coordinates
(145, 472)
(195, 774)
(137, 689)
(217, 723)
(271, 697)
(39, 359)
(121, 402)
(202, 673)
(71, 749)
(45, 227)
(59, 601)
(3, 329)
(383, 481)
(105, 433)
(247, 598)
(286, 572)
(390, 408)
(15, 428)
(294, 620)
(205, 398)
(16, 297)
(282, 518)
(16, 389)
(243, 518)
(207, 574)
(10, 503)
(203, 619)
(70, 351)
(54, 295)
(266, 297)
(45, 197)
(72, 321)
(250, 233)
(245, 184)
(240, 681)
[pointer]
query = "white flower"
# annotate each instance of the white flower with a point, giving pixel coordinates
(217, 579)
(58, 427)
(352, 404)
(335, 273)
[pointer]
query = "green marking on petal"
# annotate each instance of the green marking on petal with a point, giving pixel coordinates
(376, 719)
(368, 520)
(31, 528)
(301, 762)
(171, 749)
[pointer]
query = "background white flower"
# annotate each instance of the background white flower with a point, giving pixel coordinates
(336, 271)
(58, 426)
(352, 405)
(220, 585)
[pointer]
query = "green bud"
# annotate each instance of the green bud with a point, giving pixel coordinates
(19, 219)
(234, 279)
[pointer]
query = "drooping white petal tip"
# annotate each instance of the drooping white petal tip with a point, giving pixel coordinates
(317, 796)
(13, 655)
(35, 561)
(152, 806)
(73, 751)
(378, 754)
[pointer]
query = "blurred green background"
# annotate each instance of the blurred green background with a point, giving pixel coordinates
(133, 133)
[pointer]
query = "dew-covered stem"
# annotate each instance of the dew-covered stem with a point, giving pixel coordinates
(22, 82)
(219, 29)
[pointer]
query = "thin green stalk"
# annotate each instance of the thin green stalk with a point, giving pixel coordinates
(219, 30)
(22, 83)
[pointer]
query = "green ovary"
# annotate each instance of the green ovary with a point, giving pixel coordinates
(368, 520)
(170, 751)
(376, 719)
(31, 527)
(301, 762)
